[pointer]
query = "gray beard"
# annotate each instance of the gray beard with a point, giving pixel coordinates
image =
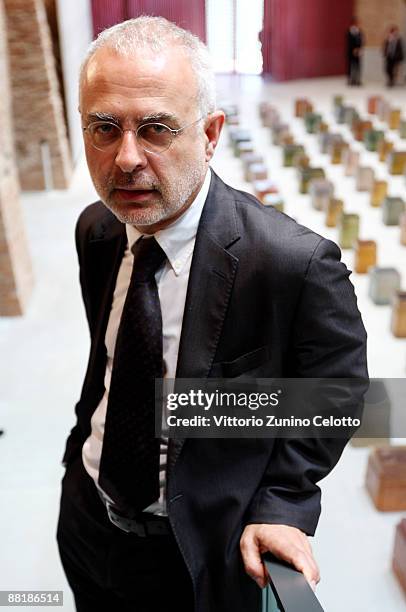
(174, 196)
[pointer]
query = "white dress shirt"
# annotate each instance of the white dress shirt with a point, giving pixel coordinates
(178, 241)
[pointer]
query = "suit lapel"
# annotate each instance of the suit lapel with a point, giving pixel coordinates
(210, 286)
(209, 290)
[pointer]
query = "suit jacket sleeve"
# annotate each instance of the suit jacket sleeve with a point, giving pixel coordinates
(75, 438)
(329, 341)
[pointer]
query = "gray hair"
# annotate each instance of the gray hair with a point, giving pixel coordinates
(156, 34)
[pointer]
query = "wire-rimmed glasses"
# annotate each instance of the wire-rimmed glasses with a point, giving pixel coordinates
(153, 137)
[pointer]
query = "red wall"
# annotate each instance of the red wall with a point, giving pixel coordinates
(266, 37)
(106, 13)
(307, 37)
(189, 14)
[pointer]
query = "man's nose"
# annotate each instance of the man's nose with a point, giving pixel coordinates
(130, 156)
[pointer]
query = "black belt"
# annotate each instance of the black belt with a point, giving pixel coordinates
(145, 525)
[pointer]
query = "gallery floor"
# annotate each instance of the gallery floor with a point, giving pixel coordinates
(44, 355)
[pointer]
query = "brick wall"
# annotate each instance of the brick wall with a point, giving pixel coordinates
(15, 267)
(40, 128)
(51, 11)
(376, 16)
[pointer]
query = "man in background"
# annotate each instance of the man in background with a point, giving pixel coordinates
(393, 55)
(354, 45)
(183, 276)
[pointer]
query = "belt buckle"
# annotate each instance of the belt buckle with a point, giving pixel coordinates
(125, 524)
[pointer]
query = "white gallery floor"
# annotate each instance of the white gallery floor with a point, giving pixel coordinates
(44, 355)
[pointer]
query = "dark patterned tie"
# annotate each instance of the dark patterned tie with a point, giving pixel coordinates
(129, 465)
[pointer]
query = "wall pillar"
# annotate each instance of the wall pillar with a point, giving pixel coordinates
(16, 278)
(42, 149)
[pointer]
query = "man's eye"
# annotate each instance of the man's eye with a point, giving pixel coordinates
(105, 128)
(155, 128)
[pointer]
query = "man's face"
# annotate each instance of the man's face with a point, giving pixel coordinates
(148, 190)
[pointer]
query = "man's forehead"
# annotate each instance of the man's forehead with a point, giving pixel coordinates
(170, 65)
(148, 83)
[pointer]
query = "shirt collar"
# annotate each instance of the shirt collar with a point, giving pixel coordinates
(177, 240)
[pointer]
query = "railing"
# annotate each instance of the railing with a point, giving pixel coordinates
(288, 591)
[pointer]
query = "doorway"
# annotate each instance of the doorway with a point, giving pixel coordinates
(232, 31)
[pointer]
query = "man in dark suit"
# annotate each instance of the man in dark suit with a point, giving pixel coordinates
(184, 276)
(393, 54)
(354, 45)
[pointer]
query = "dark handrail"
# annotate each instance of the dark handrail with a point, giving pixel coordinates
(289, 590)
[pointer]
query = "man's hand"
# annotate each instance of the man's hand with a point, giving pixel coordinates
(285, 542)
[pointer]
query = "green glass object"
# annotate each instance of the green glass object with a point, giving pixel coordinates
(312, 122)
(402, 128)
(392, 209)
(337, 101)
(306, 175)
(289, 151)
(372, 138)
(349, 230)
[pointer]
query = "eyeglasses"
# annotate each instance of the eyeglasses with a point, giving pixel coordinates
(152, 137)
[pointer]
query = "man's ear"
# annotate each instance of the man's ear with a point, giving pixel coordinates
(214, 124)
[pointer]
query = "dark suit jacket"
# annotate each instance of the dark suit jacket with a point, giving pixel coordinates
(396, 55)
(354, 41)
(266, 297)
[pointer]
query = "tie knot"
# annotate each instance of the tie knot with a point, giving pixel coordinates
(148, 256)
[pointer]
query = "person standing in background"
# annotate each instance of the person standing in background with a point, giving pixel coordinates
(393, 54)
(354, 44)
